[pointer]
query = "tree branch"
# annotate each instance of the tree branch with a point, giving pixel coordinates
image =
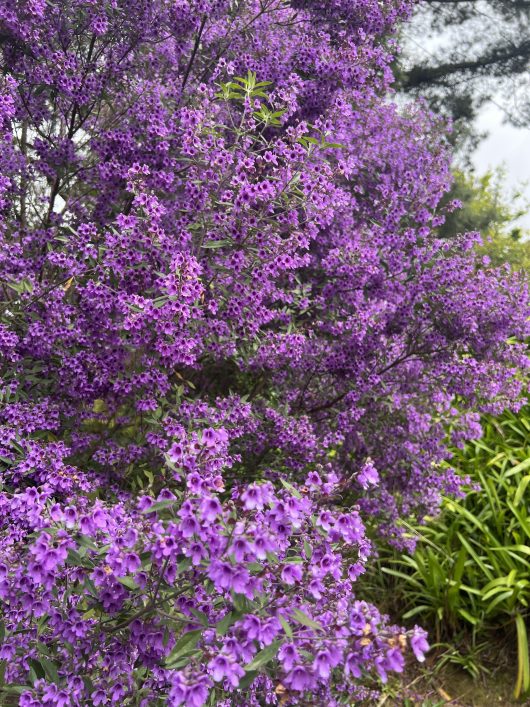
(420, 75)
(194, 52)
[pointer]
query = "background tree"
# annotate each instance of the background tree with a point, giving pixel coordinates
(470, 50)
(487, 207)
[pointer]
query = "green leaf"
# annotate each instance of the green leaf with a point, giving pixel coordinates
(508, 594)
(99, 406)
(183, 566)
(263, 657)
(86, 541)
(186, 643)
(421, 608)
(128, 582)
(41, 623)
(305, 620)
(291, 488)
(285, 625)
(74, 559)
(469, 617)
(247, 680)
(200, 616)
(215, 244)
(256, 567)
(519, 467)
(15, 689)
(241, 603)
(36, 670)
(50, 669)
(227, 621)
(523, 659)
(272, 558)
(159, 506)
(521, 517)
(521, 489)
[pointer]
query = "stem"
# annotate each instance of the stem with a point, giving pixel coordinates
(194, 52)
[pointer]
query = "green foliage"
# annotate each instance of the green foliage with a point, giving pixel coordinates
(470, 574)
(243, 87)
(487, 207)
(484, 206)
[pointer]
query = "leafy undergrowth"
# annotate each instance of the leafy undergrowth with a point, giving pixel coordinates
(468, 581)
(436, 686)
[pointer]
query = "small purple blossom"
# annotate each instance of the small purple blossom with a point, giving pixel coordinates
(419, 643)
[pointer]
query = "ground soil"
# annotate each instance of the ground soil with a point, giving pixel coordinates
(453, 686)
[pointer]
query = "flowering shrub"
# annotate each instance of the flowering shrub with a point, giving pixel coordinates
(228, 335)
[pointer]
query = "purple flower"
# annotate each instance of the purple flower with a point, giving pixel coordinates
(210, 509)
(131, 562)
(325, 519)
(99, 698)
(252, 498)
(288, 655)
(352, 665)
(242, 583)
(56, 512)
(196, 695)
(292, 573)
(368, 475)
(240, 548)
(313, 479)
(176, 452)
(144, 502)
(209, 437)
(395, 660)
(269, 630)
(252, 626)
(262, 545)
(221, 667)
(300, 679)
(197, 552)
(222, 574)
(202, 306)
(117, 692)
(99, 517)
(419, 643)
(322, 664)
(316, 588)
(70, 515)
(189, 527)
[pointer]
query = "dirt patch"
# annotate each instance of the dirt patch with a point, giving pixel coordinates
(453, 686)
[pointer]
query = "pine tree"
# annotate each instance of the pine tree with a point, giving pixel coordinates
(483, 48)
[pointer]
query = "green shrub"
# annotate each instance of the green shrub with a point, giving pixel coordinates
(470, 573)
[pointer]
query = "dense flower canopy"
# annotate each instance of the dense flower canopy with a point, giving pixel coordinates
(229, 337)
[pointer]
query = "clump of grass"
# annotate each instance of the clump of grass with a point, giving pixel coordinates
(469, 578)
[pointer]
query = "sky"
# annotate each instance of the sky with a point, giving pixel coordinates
(505, 145)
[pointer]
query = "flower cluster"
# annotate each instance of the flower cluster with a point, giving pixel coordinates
(230, 337)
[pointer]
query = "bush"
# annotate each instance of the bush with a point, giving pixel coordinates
(229, 334)
(471, 570)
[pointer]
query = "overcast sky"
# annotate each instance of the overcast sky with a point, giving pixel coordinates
(505, 146)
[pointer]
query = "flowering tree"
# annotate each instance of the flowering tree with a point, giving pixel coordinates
(228, 335)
